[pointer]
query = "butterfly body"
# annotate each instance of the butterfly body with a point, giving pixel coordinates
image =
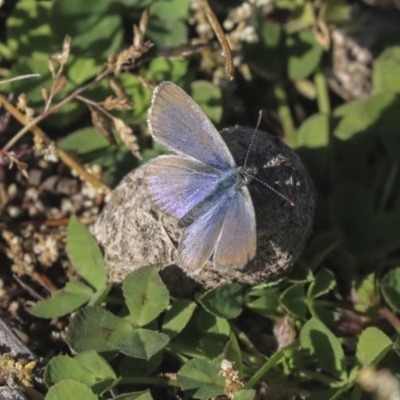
(200, 186)
(226, 188)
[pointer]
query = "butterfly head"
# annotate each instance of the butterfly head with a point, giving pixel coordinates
(246, 174)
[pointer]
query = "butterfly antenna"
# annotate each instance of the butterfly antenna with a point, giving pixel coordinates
(252, 176)
(253, 137)
(273, 190)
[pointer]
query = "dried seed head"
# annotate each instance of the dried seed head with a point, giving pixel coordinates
(22, 103)
(233, 382)
(103, 125)
(66, 50)
(120, 104)
(45, 94)
(60, 83)
(52, 68)
(63, 56)
(127, 137)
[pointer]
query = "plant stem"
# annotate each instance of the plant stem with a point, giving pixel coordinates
(274, 359)
(31, 125)
(324, 105)
(284, 110)
(390, 317)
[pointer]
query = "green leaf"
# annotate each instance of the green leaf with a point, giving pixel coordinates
(63, 302)
(372, 346)
(141, 366)
(79, 70)
(312, 143)
(140, 95)
(269, 47)
(301, 273)
(164, 32)
(324, 347)
(386, 75)
(304, 54)
(28, 31)
(70, 390)
(337, 11)
(225, 301)
(294, 300)
(357, 116)
(201, 379)
(88, 368)
(85, 254)
(86, 141)
(314, 134)
(208, 97)
(177, 317)
(171, 9)
(213, 346)
(390, 286)
(324, 282)
(164, 69)
(135, 396)
(95, 27)
(367, 294)
(100, 295)
(145, 294)
(94, 328)
(209, 323)
(143, 343)
(245, 394)
(320, 311)
(92, 148)
(263, 299)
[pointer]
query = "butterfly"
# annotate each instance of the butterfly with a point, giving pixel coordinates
(200, 185)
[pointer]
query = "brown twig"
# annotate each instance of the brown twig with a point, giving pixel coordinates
(219, 33)
(390, 317)
(31, 126)
(31, 291)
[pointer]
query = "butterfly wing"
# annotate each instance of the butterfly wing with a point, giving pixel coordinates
(176, 121)
(200, 238)
(176, 184)
(236, 245)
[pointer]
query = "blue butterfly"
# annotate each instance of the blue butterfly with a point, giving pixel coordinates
(200, 186)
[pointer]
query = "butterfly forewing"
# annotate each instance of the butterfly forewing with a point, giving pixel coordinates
(176, 184)
(176, 121)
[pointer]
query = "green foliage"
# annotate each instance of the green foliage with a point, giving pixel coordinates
(87, 367)
(109, 346)
(311, 331)
(224, 301)
(201, 379)
(390, 287)
(69, 389)
(85, 255)
(372, 346)
(145, 295)
(324, 346)
(87, 259)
